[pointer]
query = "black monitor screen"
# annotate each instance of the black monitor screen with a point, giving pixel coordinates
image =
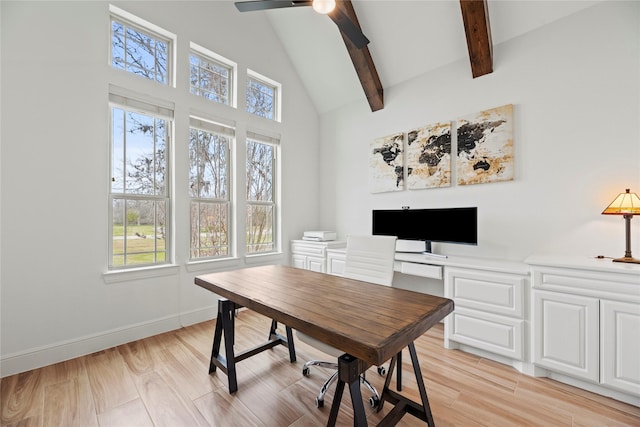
(452, 225)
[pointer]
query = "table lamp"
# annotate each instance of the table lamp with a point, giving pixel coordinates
(626, 204)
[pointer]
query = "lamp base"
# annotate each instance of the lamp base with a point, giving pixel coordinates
(628, 259)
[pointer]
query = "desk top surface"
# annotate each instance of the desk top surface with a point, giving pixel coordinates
(370, 322)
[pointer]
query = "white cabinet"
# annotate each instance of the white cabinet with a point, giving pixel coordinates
(489, 311)
(586, 323)
(620, 345)
(336, 261)
(567, 334)
(312, 255)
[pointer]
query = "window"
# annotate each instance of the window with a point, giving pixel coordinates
(209, 189)
(211, 75)
(139, 224)
(139, 50)
(142, 204)
(261, 197)
(263, 96)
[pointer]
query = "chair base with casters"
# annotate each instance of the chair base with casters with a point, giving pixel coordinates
(374, 400)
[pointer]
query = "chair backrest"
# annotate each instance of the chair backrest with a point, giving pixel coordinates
(370, 258)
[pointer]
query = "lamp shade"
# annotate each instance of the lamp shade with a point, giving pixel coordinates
(626, 203)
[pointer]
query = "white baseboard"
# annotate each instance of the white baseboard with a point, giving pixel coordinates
(34, 358)
(198, 316)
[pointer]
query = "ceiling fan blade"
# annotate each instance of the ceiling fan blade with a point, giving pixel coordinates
(250, 6)
(348, 28)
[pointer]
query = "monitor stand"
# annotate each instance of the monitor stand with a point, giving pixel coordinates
(410, 246)
(428, 252)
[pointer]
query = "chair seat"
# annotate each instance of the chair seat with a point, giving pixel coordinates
(325, 348)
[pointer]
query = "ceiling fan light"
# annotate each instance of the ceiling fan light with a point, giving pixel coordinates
(323, 6)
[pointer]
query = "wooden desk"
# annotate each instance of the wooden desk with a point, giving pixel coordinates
(370, 323)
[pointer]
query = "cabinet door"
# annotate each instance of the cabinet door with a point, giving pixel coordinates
(335, 264)
(620, 351)
(299, 261)
(566, 334)
(315, 264)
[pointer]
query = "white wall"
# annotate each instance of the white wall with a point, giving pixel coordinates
(575, 89)
(574, 84)
(55, 303)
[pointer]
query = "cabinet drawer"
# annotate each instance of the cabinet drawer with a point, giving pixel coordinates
(495, 293)
(497, 334)
(424, 270)
(301, 248)
(621, 287)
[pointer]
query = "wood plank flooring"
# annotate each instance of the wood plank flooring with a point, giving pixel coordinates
(163, 381)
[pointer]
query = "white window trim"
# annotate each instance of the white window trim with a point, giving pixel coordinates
(135, 21)
(129, 100)
(208, 54)
(278, 89)
(140, 102)
(223, 127)
(164, 107)
(273, 139)
(126, 275)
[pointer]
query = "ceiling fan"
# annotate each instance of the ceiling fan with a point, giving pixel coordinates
(326, 7)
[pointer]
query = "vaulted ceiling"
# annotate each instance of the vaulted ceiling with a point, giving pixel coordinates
(407, 39)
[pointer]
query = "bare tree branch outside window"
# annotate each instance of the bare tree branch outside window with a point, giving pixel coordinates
(260, 197)
(260, 99)
(210, 79)
(209, 191)
(138, 190)
(138, 52)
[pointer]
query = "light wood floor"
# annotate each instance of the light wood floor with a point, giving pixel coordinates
(163, 381)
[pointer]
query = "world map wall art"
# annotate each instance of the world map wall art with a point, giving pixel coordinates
(485, 146)
(429, 156)
(483, 142)
(386, 164)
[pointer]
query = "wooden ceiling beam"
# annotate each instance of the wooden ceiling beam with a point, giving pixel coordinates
(475, 16)
(363, 63)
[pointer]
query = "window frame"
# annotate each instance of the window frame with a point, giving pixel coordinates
(150, 30)
(158, 110)
(277, 96)
(212, 57)
(274, 142)
(132, 91)
(228, 132)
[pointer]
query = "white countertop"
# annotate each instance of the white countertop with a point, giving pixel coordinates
(520, 267)
(583, 262)
(490, 264)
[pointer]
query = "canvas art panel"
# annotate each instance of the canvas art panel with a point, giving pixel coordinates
(386, 164)
(429, 156)
(485, 146)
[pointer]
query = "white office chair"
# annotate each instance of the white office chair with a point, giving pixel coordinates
(369, 259)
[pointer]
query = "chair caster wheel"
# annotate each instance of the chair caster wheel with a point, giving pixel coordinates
(305, 371)
(319, 403)
(382, 370)
(374, 401)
